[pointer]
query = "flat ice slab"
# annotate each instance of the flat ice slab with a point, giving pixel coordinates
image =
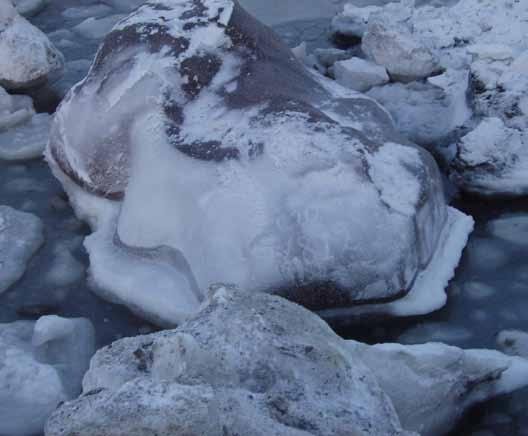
(21, 235)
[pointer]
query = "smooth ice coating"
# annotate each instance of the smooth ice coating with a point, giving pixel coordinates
(201, 151)
(42, 364)
(21, 235)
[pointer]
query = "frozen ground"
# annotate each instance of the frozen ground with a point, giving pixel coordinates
(488, 294)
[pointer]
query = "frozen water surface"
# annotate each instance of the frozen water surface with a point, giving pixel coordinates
(495, 257)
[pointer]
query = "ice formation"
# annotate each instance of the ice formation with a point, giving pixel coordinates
(481, 40)
(255, 364)
(359, 74)
(21, 235)
(14, 109)
(26, 141)
(201, 151)
(27, 57)
(431, 385)
(42, 364)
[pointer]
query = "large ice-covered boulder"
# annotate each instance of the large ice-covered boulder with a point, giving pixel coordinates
(21, 235)
(201, 151)
(255, 364)
(27, 57)
(41, 364)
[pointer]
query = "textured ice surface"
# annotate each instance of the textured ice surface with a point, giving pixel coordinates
(27, 57)
(298, 186)
(247, 364)
(42, 364)
(21, 234)
(257, 364)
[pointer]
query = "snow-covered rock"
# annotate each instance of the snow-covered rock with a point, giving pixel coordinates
(424, 113)
(359, 74)
(513, 342)
(41, 365)
(27, 57)
(248, 364)
(255, 364)
(21, 235)
(338, 209)
(391, 43)
(26, 141)
(353, 20)
(493, 159)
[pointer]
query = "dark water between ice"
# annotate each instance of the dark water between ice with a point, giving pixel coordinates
(488, 294)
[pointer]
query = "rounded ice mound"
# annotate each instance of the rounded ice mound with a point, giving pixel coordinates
(41, 365)
(201, 151)
(27, 57)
